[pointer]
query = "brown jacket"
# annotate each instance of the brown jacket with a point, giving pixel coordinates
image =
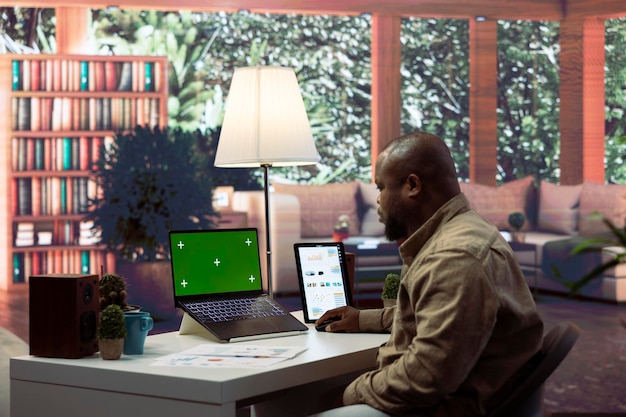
(465, 321)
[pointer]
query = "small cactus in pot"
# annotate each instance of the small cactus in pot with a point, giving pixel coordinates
(112, 290)
(111, 332)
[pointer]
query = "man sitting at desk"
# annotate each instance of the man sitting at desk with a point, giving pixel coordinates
(465, 321)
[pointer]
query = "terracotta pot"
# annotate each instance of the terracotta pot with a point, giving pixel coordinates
(111, 349)
(340, 236)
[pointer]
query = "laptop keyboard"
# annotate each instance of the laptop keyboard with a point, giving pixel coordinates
(238, 309)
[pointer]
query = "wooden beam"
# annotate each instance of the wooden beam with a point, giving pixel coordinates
(578, 9)
(386, 82)
(492, 9)
(483, 101)
(73, 25)
(582, 101)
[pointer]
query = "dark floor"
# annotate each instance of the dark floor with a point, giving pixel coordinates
(591, 381)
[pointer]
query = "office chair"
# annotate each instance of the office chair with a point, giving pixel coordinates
(526, 399)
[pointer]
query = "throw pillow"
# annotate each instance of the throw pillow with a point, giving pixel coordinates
(321, 206)
(495, 204)
(558, 207)
(609, 200)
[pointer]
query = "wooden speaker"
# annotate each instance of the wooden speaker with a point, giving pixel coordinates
(63, 315)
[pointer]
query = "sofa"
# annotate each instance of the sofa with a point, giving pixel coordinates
(308, 213)
(557, 218)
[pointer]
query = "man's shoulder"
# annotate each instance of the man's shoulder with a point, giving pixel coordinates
(468, 232)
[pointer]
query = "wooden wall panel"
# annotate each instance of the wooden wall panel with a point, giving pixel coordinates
(582, 101)
(483, 101)
(386, 82)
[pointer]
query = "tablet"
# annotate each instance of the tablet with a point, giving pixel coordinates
(323, 278)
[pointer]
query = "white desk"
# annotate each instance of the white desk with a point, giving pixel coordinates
(95, 387)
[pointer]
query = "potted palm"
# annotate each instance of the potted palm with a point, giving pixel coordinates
(150, 181)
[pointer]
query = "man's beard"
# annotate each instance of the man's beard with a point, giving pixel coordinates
(395, 228)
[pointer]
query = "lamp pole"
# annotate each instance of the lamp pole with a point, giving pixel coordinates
(268, 239)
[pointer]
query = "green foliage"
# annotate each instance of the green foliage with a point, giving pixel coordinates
(391, 287)
(330, 55)
(183, 39)
(27, 30)
(516, 220)
(152, 181)
(435, 82)
(528, 100)
(112, 324)
(112, 290)
(615, 98)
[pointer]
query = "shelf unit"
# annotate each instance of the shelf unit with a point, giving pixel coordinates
(60, 110)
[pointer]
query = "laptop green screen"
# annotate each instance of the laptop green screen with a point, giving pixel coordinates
(215, 261)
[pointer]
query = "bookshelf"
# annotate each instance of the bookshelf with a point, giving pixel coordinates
(59, 110)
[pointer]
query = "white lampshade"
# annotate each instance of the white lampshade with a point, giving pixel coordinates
(265, 122)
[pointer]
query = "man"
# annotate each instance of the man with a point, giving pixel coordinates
(465, 322)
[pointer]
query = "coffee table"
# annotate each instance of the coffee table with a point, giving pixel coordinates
(374, 259)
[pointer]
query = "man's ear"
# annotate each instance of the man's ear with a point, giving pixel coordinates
(415, 185)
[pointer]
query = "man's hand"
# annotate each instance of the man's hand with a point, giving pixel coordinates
(348, 319)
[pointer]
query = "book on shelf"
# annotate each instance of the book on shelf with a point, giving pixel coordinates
(54, 153)
(87, 236)
(26, 264)
(66, 114)
(57, 103)
(70, 75)
(16, 75)
(84, 76)
(36, 196)
(25, 234)
(126, 77)
(23, 113)
(22, 195)
(35, 75)
(44, 238)
(19, 269)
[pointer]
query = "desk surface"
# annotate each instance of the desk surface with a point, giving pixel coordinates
(327, 356)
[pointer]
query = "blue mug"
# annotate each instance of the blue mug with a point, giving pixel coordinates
(138, 324)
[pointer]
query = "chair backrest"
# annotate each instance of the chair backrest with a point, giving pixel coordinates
(556, 345)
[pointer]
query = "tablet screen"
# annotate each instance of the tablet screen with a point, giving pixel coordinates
(323, 278)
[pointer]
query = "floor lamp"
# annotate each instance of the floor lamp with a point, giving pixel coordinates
(265, 125)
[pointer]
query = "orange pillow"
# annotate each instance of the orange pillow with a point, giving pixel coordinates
(495, 204)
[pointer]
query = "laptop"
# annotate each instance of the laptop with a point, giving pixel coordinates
(323, 278)
(216, 276)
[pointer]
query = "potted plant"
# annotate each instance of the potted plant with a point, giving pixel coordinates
(150, 181)
(516, 221)
(112, 290)
(341, 228)
(111, 332)
(390, 289)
